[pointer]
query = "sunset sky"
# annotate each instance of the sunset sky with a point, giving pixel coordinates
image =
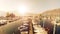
(33, 6)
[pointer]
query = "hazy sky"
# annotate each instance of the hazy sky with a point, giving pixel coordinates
(34, 6)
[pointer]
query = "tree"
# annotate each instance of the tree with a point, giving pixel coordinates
(10, 14)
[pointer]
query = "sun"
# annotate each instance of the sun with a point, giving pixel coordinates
(22, 9)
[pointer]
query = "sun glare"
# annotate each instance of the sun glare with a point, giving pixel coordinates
(22, 10)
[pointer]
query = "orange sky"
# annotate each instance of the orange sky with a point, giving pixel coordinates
(34, 6)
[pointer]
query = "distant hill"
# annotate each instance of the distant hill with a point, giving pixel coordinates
(55, 12)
